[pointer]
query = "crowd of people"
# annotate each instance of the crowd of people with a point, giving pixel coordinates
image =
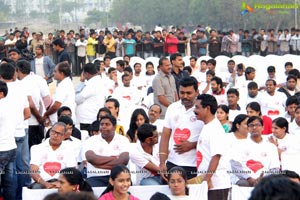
(179, 124)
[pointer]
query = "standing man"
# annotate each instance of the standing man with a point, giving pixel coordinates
(64, 94)
(164, 87)
(109, 42)
(81, 52)
(181, 131)
(90, 98)
(177, 65)
(62, 55)
(211, 165)
(70, 48)
(91, 47)
(42, 65)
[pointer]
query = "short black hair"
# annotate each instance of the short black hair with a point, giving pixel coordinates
(90, 68)
(288, 63)
(23, 66)
(189, 81)
(58, 42)
(103, 109)
(294, 72)
(7, 71)
(3, 88)
(111, 118)
(271, 80)
(111, 69)
(252, 85)
(233, 91)
(253, 118)
(291, 77)
(174, 56)
(271, 69)
(212, 61)
(145, 131)
(291, 100)
(62, 109)
(128, 69)
(208, 100)
(121, 63)
(161, 60)
(124, 76)
(65, 119)
(218, 81)
(115, 101)
(64, 67)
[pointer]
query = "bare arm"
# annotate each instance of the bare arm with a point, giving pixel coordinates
(164, 151)
(213, 164)
(163, 100)
(106, 162)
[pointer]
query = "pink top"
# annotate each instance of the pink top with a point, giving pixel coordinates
(109, 196)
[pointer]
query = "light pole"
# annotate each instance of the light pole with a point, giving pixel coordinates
(296, 14)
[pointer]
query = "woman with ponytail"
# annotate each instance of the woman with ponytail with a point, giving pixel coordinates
(71, 180)
(119, 183)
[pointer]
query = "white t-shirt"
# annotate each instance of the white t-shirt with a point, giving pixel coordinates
(255, 158)
(172, 197)
(273, 106)
(211, 143)
(50, 162)
(39, 67)
(65, 94)
(18, 101)
(90, 100)
(290, 154)
(127, 94)
(234, 146)
(31, 88)
(75, 145)
(294, 128)
(99, 146)
(140, 158)
(185, 126)
(7, 126)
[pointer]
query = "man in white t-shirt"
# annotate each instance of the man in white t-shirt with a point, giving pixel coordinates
(145, 156)
(19, 105)
(51, 156)
(235, 109)
(64, 94)
(181, 131)
(211, 162)
(90, 98)
(272, 101)
(105, 151)
(257, 158)
(8, 147)
(31, 88)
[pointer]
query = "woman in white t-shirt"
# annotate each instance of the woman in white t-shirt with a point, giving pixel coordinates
(287, 145)
(294, 127)
(177, 181)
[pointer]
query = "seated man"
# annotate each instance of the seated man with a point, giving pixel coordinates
(105, 151)
(145, 155)
(49, 157)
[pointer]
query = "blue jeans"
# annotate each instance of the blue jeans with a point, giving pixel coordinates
(26, 159)
(98, 181)
(148, 54)
(91, 58)
(19, 175)
(7, 159)
(154, 180)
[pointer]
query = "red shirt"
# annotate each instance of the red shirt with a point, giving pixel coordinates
(172, 45)
(267, 121)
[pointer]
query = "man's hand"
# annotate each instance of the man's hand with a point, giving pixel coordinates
(185, 146)
(163, 172)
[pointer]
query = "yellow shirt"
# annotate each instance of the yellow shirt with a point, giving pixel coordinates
(91, 48)
(111, 44)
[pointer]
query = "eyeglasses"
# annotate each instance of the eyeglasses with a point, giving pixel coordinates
(254, 125)
(54, 132)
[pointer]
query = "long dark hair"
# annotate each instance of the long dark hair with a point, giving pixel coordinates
(74, 177)
(132, 126)
(238, 120)
(115, 171)
(182, 173)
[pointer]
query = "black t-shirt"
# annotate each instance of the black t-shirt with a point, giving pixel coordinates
(159, 49)
(181, 46)
(63, 56)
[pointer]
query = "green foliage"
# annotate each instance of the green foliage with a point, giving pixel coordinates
(217, 13)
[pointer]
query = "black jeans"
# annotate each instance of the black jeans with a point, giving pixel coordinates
(190, 171)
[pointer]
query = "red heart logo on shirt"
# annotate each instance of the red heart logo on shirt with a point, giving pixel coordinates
(273, 112)
(52, 168)
(199, 158)
(127, 97)
(254, 165)
(110, 91)
(181, 135)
